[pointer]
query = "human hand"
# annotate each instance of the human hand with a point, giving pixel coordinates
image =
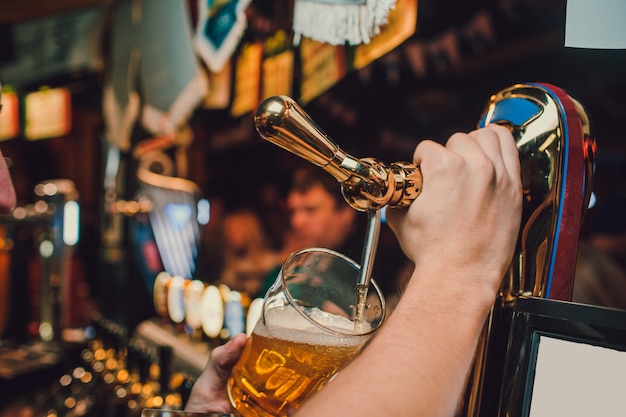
(208, 394)
(468, 214)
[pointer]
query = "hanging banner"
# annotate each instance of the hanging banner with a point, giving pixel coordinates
(9, 116)
(247, 79)
(323, 65)
(47, 114)
(220, 26)
(338, 22)
(278, 66)
(154, 74)
(400, 26)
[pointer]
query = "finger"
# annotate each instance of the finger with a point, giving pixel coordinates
(425, 148)
(422, 153)
(510, 152)
(226, 356)
(425, 155)
(499, 145)
(465, 144)
(236, 345)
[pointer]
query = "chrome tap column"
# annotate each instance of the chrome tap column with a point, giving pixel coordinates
(557, 154)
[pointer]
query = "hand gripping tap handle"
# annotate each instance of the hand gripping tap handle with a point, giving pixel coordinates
(367, 184)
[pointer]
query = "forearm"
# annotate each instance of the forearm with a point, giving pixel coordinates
(428, 344)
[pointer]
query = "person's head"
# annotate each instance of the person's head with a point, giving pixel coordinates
(244, 231)
(319, 215)
(7, 192)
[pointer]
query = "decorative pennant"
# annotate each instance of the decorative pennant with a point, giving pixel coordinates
(323, 65)
(247, 79)
(339, 21)
(9, 116)
(171, 82)
(220, 26)
(121, 103)
(278, 66)
(400, 26)
(154, 72)
(47, 114)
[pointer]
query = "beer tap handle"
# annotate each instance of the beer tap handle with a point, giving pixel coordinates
(281, 121)
(367, 184)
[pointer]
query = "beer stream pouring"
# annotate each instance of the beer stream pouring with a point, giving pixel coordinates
(366, 184)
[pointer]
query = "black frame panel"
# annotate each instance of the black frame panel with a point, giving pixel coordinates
(534, 318)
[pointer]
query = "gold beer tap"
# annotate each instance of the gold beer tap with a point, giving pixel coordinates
(367, 184)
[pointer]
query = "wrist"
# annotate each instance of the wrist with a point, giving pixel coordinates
(454, 289)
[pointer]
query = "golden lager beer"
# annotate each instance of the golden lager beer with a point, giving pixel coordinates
(280, 368)
(308, 330)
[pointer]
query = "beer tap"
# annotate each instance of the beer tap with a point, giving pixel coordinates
(366, 183)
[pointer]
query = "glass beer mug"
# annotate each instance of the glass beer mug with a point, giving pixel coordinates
(307, 332)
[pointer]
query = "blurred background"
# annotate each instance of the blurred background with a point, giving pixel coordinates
(195, 106)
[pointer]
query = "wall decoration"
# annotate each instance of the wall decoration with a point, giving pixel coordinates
(338, 22)
(220, 26)
(154, 73)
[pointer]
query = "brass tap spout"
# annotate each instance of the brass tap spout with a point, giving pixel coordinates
(367, 184)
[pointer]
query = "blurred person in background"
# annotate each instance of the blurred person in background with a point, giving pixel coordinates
(319, 216)
(248, 257)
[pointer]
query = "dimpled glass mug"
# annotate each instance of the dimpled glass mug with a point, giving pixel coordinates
(306, 333)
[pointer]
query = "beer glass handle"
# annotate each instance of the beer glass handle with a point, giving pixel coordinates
(367, 184)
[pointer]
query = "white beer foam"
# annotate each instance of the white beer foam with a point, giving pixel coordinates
(288, 324)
